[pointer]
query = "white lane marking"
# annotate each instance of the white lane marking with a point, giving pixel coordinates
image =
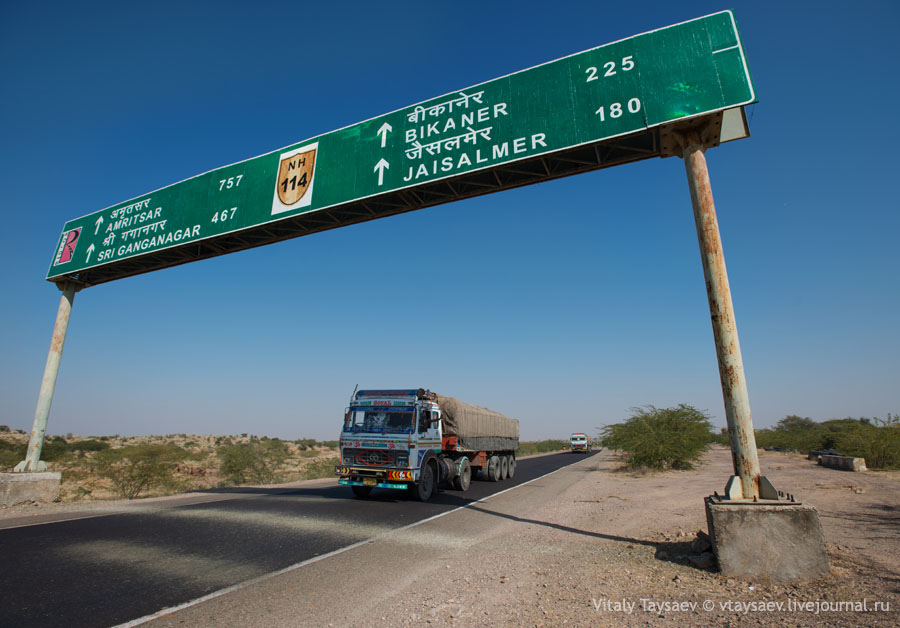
(315, 559)
(715, 52)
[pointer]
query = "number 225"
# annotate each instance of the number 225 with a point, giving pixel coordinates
(610, 68)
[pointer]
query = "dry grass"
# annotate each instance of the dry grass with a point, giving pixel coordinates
(198, 470)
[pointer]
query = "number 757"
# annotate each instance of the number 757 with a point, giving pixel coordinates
(230, 182)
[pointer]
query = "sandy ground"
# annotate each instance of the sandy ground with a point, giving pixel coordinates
(613, 550)
(590, 546)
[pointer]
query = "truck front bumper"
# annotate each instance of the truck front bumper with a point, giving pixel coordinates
(376, 478)
(347, 482)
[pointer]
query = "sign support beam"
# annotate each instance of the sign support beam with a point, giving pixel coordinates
(747, 482)
(33, 462)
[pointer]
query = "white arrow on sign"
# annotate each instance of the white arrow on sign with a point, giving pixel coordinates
(383, 131)
(98, 223)
(90, 250)
(380, 167)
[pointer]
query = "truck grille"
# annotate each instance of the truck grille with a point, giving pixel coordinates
(375, 457)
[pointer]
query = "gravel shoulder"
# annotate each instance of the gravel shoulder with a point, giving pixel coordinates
(589, 546)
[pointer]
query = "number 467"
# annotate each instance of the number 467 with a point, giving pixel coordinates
(225, 214)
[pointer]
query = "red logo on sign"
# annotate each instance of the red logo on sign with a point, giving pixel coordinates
(67, 246)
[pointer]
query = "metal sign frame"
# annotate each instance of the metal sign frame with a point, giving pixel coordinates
(201, 217)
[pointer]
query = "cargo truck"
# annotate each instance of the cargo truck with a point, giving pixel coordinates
(580, 443)
(415, 440)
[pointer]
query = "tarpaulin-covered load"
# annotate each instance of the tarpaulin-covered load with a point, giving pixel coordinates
(477, 428)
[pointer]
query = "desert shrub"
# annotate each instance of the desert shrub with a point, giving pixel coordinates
(89, 445)
(4, 428)
(878, 443)
(11, 454)
(137, 468)
(722, 437)
(800, 433)
(330, 444)
(661, 438)
(322, 468)
(876, 440)
(530, 447)
(54, 450)
(305, 443)
(256, 461)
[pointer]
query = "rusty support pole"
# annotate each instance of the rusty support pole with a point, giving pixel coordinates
(33, 462)
(728, 349)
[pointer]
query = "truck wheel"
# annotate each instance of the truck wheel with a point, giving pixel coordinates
(361, 491)
(425, 488)
(512, 466)
(493, 469)
(504, 467)
(461, 482)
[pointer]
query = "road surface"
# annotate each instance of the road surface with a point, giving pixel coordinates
(113, 568)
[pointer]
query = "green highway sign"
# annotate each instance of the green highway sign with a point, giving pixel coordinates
(692, 69)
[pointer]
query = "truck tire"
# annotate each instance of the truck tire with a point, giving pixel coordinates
(512, 466)
(493, 469)
(461, 482)
(425, 488)
(504, 468)
(362, 492)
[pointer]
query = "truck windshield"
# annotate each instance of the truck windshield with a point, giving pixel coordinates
(380, 420)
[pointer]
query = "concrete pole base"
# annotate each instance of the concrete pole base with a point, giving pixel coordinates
(22, 467)
(774, 542)
(18, 488)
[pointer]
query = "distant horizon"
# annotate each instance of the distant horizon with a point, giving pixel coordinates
(593, 434)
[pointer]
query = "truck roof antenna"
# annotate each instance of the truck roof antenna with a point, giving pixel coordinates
(353, 396)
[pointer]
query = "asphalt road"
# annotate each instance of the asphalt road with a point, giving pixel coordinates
(106, 570)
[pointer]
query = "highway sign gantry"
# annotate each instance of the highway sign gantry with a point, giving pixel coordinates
(589, 110)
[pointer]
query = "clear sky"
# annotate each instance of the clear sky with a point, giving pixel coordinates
(563, 304)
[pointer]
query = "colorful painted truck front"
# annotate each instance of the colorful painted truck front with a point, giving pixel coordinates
(415, 440)
(580, 443)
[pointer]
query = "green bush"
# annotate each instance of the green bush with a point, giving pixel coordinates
(89, 445)
(531, 447)
(11, 454)
(323, 468)
(256, 461)
(138, 468)
(54, 450)
(661, 438)
(876, 440)
(879, 444)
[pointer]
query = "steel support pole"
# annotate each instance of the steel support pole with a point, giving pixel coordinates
(728, 349)
(33, 462)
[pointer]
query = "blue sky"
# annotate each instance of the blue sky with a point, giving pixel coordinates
(563, 304)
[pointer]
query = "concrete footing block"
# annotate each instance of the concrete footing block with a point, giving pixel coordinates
(17, 488)
(845, 463)
(778, 543)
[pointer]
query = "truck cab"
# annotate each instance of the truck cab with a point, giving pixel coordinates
(580, 442)
(385, 438)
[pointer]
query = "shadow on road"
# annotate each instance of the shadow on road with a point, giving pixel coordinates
(677, 552)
